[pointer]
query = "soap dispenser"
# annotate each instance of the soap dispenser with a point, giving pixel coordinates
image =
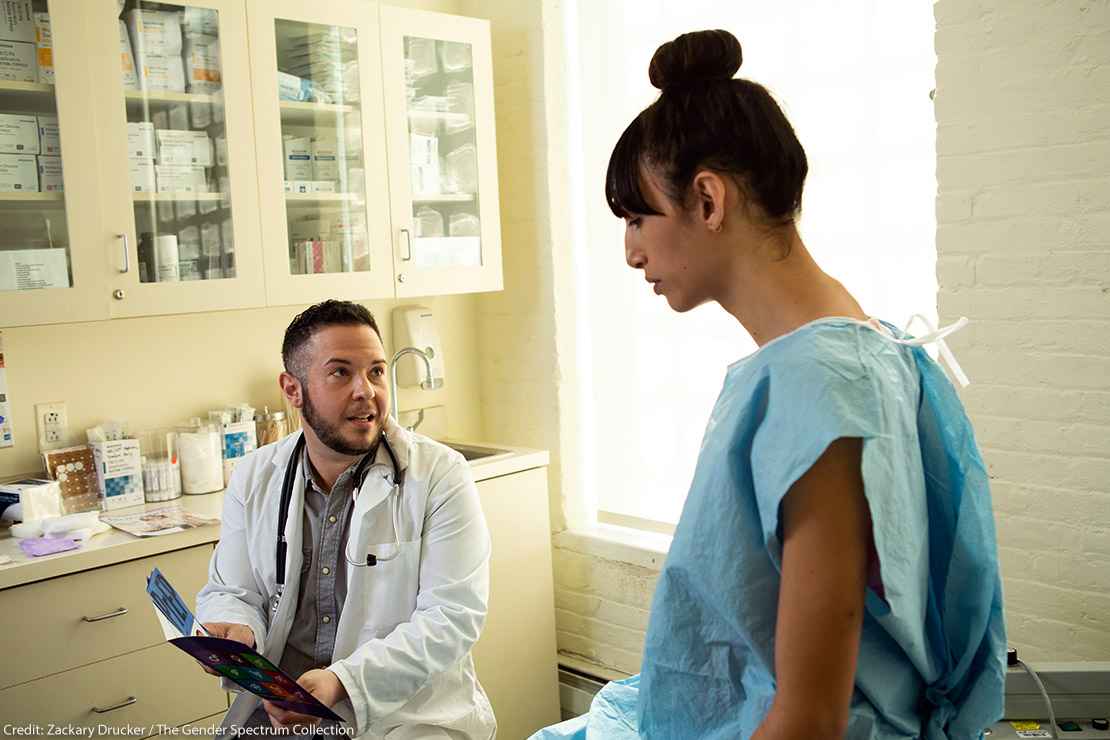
(415, 326)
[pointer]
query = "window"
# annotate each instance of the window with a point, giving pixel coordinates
(854, 78)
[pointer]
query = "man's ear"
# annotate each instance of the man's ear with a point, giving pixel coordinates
(709, 191)
(291, 389)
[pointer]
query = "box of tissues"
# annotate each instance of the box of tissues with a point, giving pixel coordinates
(31, 499)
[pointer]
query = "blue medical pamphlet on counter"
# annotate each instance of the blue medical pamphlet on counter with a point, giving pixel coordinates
(233, 660)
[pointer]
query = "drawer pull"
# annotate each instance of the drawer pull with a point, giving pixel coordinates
(125, 703)
(117, 613)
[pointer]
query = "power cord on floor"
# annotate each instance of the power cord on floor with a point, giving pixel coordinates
(1012, 659)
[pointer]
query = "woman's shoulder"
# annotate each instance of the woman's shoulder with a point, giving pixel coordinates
(832, 344)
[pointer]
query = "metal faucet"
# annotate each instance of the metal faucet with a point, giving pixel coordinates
(427, 384)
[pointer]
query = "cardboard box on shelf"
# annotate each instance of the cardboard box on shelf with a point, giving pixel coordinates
(142, 175)
(50, 140)
(18, 173)
(184, 147)
(154, 33)
(162, 73)
(19, 134)
(17, 21)
(127, 60)
(140, 140)
(202, 64)
(17, 61)
(44, 49)
(298, 158)
(50, 174)
(325, 162)
(180, 178)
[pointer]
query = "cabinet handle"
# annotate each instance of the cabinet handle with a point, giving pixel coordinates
(117, 613)
(408, 245)
(125, 703)
(126, 257)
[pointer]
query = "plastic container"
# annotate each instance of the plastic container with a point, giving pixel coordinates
(454, 56)
(161, 468)
(428, 222)
(270, 426)
(464, 224)
(422, 52)
(200, 451)
(462, 168)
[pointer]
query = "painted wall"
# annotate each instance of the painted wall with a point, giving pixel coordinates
(1023, 245)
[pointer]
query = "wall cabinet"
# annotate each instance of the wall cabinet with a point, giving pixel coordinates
(224, 154)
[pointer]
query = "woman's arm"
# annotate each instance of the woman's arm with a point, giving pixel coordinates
(826, 530)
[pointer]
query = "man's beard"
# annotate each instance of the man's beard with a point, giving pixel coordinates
(329, 433)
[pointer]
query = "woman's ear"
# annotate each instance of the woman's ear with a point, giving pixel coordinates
(710, 190)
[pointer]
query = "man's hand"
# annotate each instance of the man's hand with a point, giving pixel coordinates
(229, 631)
(322, 684)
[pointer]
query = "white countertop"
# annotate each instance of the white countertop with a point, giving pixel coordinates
(115, 546)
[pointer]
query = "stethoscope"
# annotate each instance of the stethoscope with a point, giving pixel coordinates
(287, 500)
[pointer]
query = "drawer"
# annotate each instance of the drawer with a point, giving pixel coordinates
(44, 627)
(168, 688)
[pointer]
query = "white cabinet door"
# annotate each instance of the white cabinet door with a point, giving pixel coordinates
(438, 80)
(175, 138)
(320, 148)
(53, 265)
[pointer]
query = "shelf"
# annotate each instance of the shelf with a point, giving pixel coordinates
(165, 99)
(155, 197)
(31, 199)
(324, 197)
(26, 95)
(294, 111)
(443, 198)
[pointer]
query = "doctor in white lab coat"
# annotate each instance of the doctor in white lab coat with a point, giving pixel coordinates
(401, 665)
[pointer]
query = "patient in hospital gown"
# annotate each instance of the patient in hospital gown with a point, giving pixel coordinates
(931, 660)
(834, 573)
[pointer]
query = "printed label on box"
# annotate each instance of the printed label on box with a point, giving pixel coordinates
(19, 173)
(17, 61)
(19, 134)
(50, 174)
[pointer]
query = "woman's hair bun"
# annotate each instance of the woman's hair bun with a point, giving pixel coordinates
(698, 56)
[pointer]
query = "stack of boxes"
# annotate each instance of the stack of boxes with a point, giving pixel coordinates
(30, 154)
(176, 51)
(17, 41)
(314, 165)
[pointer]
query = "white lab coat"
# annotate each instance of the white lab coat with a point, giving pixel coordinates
(402, 647)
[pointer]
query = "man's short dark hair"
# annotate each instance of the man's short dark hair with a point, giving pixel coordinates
(314, 318)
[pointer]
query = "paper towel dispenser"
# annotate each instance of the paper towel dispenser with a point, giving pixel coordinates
(415, 326)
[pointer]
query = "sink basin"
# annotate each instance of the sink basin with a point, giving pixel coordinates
(474, 452)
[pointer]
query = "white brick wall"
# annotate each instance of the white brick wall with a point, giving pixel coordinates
(1023, 247)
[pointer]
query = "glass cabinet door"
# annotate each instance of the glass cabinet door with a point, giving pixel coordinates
(188, 166)
(321, 151)
(438, 80)
(45, 276)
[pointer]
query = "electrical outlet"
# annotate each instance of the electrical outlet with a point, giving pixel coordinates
(53, 425)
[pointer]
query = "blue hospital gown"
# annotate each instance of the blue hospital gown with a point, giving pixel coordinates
(932, 652)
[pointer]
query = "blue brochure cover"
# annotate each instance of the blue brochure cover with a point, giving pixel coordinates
(233, 660)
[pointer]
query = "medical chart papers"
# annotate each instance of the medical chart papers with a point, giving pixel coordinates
(232, 660)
